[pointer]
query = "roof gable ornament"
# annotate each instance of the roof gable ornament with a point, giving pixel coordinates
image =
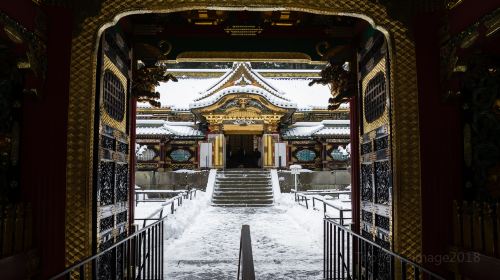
(242, 81)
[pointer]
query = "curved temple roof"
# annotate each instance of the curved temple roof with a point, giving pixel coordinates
(166, 128)
(242, 79)
(326, 128)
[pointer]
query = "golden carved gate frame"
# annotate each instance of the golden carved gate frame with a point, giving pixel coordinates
(404, 105)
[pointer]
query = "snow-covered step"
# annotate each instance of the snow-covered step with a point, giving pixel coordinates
(243, 182)
(245, 179)
(233, 178)
(243, 197)
(243, 188)
(238, 192)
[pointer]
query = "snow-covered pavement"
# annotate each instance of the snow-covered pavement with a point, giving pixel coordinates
(287, 243)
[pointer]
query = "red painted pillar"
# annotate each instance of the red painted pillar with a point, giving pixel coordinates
(43, 147)
(440, 144)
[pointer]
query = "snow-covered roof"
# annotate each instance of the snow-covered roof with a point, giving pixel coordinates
(301, 130)
(242, 79)
(246, 69)
(209, 100)
(149, 122)
(166, 128)
(323, 107)
(179, 95)
(183, 129)
(159, 131)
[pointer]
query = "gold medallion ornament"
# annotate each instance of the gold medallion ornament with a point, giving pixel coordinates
(81, 111)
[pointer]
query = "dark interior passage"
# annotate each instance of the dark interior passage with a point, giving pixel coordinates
(241, 151)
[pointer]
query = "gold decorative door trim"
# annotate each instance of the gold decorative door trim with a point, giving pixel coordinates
(404, 96)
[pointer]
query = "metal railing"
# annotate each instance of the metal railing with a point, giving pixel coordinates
(348, 255)
(333, 193)
(245, 262)
(342, 219)
(159, 192)
(138, 256)
(182, 195)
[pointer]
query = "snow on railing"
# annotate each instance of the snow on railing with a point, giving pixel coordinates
(336, 207)
(276, 185)
(184, 194)
(211, 183)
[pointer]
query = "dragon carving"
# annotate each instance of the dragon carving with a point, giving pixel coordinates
(340, 82)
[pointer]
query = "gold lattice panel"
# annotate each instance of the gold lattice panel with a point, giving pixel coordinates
(405, 133)
(384, 118)
(108, 65)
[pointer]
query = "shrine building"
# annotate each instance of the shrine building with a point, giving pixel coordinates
(243, 112)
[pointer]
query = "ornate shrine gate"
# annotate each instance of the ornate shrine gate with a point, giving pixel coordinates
(110, 192)
(376, 165)
(406, 225)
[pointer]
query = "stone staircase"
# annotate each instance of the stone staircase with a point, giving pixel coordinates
(243, 188)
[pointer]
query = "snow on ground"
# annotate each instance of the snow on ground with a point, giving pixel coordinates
(177, 223)
(302, 170)
(287, 243)
(202, 241)
(187, 171)
(185, 215)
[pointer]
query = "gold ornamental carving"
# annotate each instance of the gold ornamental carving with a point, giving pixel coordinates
(81, 110)
(106, 118)
(384, 118)
(243, 56)
(452, 4)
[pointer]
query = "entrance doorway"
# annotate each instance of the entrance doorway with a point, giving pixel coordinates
(241, 151)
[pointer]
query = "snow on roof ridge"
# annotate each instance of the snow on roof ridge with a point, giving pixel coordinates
(287, 70)
(261, 80)
(247, 66)
(276, 100)
(152, 131)
(175, 108)
(195, 70)
(182, 129)
(308, 129)
(175, 123)
(222, 80)
(330, 122)
(305, 124)
(149, 121)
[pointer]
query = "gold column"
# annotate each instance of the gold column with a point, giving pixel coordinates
(264, 150)
(218, 151)
(221, 150)
(268, 150)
